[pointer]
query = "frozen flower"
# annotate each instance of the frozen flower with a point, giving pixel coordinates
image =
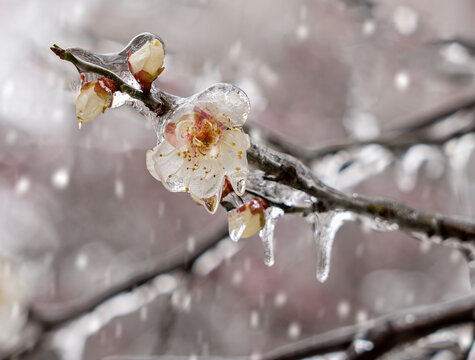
(147, 63)
(247, 219)
(203, 145)
(13, 301)
(94, 98)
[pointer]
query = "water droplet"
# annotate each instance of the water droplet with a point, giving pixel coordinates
(302, 32)
(211, 203)
(267, 233)
(22, 186)
(361, 316)
(240, 187)
(280, 299)
(343, 309)
(405, 20)
(325, 227)
(60, 178)
(82, 261)
(294, 330)
(237, 278)
(119, 188)
(402, 80)
(254, 319)
(369, 27)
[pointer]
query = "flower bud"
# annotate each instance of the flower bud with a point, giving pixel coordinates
(147, 63)
(94, 98)
(247, 219)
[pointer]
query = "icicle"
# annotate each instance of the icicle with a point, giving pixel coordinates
(325, 227)
(267, 233)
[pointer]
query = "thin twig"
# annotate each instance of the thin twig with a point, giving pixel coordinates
(384, 333)
(395, 140)
(159, 107)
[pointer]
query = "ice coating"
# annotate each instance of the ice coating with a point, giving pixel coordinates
(412, 161)
(276, 192)
(201, 144)
(117, 62)
(267, 233)
(349, 168)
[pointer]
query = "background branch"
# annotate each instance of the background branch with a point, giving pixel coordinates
(384, 333)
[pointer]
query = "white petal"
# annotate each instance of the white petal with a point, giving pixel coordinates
(155, 60)
(137, 59)
(167, 168)
(233, 157)
(208, 180)
(228, 99)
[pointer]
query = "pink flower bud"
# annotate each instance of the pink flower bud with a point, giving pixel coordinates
(94, 98)
(247, 219)
(147, 63)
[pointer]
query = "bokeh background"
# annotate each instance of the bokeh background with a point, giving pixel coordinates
(79, 212)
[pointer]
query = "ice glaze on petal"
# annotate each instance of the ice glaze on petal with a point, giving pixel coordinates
(228, 99)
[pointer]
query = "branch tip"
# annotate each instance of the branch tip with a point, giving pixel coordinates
(58, 51)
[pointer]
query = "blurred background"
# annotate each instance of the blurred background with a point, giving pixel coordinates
(80, 214)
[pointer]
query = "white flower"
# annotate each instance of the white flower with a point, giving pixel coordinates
(147, 63)
(247, 219)
(93, 99)
(203, 145)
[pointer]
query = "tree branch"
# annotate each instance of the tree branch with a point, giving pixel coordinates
(292, 172)
(395, 140)
(384, 333)
(180, 262)
(158, 107)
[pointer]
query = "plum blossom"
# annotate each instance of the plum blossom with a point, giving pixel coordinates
(248, 219)
(94, 98)
(203, 145)
(147, 63)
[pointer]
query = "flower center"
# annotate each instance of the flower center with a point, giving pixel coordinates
(200, 131)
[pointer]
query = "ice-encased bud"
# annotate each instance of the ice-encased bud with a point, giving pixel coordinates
(146, 63)
(94, 98)
(247, 220)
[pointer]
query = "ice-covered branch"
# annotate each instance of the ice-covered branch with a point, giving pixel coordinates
(292, 172)
(378, 336)
(157, 106)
